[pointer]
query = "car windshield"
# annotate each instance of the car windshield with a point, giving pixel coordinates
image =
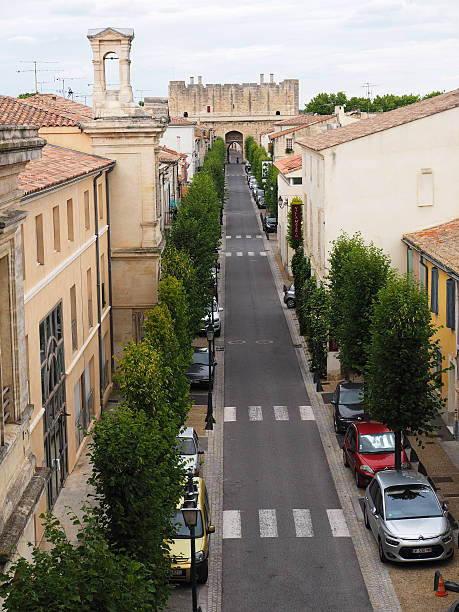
(202, 358)
(411, 501)
(186, 446)
(182, 531)
(377, 442)
(271, 220)
(350, 396)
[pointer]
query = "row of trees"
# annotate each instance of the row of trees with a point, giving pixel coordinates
(382, 324)
(268, 180)
(121, 559)
(324, 103)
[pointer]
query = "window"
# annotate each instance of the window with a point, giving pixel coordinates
(185, 114)
(296, 180)
(73, 317)
(289, 142)
(89, 292)
(39, 239)
(423, 275)
(100, 202)
(208, 109)
(70, 235)
(277, 112)
(450, 303)
(86, 210)
(425, 187)
(434, 291)
(409, 261)
(56, 229)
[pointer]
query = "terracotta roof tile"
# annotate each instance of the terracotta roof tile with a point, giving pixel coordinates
(70, 108)
(268, 131)
(181, 121)
(441, 243)
(289, 164)
(21, 112)
(58, 165)
(382, 121)
(304, 119)
(169, 155)
(317, 119)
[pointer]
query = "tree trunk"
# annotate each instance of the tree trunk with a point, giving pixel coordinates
(398, 450)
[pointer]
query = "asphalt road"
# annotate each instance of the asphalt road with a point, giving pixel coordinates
(286, 545)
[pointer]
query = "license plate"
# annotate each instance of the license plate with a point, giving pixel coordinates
(422, 550)
(179, 572)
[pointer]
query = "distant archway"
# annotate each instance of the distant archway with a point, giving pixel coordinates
(234, 145)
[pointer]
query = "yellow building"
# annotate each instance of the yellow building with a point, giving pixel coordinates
(433, 258)
(67, 303)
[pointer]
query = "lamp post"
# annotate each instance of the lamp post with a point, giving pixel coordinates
(190, 517)
(210, 333)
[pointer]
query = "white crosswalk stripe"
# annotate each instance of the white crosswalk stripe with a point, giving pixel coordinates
(251, 254)
(258, 236)
(255, 413)
(232, 524)
(303, 523)
(306, 413)
(263, 253)
(229, 413)
(228, 253)
(268, 523)
(238, 236)
(248, 236)
(239, 253)
(281, 413)
(228, 237)
(338, 523)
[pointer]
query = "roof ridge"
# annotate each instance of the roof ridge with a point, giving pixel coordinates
(40, 108)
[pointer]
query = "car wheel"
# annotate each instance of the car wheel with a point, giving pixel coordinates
(382, 555)
(365, 517)
(357, 480)
(345, 461)
(203, 572)
(290, 303)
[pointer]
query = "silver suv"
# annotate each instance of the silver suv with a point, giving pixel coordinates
(188, 444)
(289, 296)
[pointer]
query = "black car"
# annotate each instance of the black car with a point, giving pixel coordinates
(347, 402)
(270, 224)
(198, 371)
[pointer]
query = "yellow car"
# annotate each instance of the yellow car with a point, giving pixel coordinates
(180, 547)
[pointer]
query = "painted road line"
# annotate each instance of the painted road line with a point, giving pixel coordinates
(228, 237)
(303, 523)
(248, 236)
(306, 413)
(281, 413)
(228, 253)
(338, 523)
(263, 253)
(258, 236)
(238, 236)
(251, 254)
(239, 253)
(229, 413)
(232, 524)
(268, 523)
(255, 413)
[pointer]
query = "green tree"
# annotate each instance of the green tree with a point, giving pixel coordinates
(357, 272)
(401, 376)
(294, 243)
(324, 103)
(90, 575)
(172, 293)
(318, 324)
(301, 269)
(26, 95)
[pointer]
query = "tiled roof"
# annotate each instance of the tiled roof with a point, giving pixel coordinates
(382, 121)
(181, 121)
(441, 243)
(169, 155)
(70, 108)
(317, 119)
(22, 112)
(268, 131)
(304, 119)
(58, 165)
(289, 164)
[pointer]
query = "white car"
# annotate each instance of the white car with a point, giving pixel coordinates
(216, 318)
(188, 444)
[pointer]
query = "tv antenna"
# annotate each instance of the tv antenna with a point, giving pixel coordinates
(64, 80)
(368, 87)
(36, 70)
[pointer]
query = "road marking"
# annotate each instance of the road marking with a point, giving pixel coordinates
(281, 413)
(232, 524)
(228, 237)
(263, 253)
(248, 236)
(306, 413)
(268, 523)
(338, 523)
(303, 523)
(251, 254)
(255, 413)
(228, 253)
(239, 253)
(229, 413)
(258, 236)
(238, 236)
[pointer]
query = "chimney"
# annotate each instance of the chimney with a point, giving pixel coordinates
(191, 80)
(271, 78)
(199, 80)
(262, 78)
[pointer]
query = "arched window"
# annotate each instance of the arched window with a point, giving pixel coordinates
(277, 112)
(112, 71)
(185, 114)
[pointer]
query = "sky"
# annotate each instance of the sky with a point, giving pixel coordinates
(399, 46)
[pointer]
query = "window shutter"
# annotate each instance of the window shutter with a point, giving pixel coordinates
(450, 304)
(434, 291)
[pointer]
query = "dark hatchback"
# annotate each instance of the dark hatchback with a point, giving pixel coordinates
(198, 371)
(270, 224)
(347, 403)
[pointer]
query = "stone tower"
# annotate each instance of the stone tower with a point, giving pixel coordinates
(112, 102)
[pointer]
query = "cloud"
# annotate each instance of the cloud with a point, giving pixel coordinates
(23, 39)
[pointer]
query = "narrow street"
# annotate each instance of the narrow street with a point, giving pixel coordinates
(286, 545)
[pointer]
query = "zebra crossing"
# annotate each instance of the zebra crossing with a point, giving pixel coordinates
(255, 413)
(300, 523)
(248, 253)
(240, 236)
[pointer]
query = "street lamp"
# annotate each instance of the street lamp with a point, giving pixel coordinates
(190, 518)
(210, 333)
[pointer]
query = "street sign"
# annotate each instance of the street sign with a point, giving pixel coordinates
(296, 221)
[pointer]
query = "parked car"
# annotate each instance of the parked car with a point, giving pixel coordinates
(369, 448)
(188, 444)
(248, 167)
(406, 519)
(198, 371)
(253, 185)
(347, 402)
(289, 296)
(257, 194)
(270, 224)
(261, 201)
(216, 318)
(180, 546)
(250, 177)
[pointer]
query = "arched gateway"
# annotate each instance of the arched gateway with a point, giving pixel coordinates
(234, 142)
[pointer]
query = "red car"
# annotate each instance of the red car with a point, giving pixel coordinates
(369, 448)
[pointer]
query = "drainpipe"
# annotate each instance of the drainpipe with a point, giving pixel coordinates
(99, 309)
(109, 249)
